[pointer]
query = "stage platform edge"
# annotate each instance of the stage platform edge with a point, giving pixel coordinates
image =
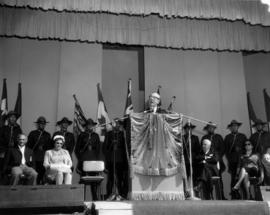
(183, 207)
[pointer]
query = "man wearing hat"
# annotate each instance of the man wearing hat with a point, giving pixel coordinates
(116, 152)
(39, 141)
(234, 145)
(88, 143)
(260, 139)
(69, 137)
(217, 145)
(88, 149)
(8, 135)
(195, 149)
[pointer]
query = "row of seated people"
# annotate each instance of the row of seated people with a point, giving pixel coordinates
(38, 140)
(19, 162)
(45, 151)
(233, 147)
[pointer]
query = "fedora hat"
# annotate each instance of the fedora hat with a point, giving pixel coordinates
(189, 125)
(64, 120)
(12, 113)
(90, 122)
(234, 122)
(209, 124)
(41, 120)
(258, 122)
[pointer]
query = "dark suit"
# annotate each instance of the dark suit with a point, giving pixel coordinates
(87, 148)
(115, 147)
(219, 148)
(260, 141)
(69, 141)
(207, 163)
(195, 150)
(39, 141)
(13, 164)
(8, 138)
(234, 145)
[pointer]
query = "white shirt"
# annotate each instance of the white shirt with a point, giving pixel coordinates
(22, 149)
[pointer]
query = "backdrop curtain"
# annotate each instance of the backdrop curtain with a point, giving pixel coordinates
(250, 11)
(151, 30)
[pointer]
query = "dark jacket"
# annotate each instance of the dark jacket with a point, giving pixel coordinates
(87, 149)
(260, 141)
(69, 141)
(88, 146)
(7, 139)
(195, 147)
(217, 143)
(39, 142)
(234, 145)
(13, 158)
(115, 141)
(209, 168)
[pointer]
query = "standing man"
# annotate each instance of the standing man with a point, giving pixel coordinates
(69, 137)
(217, 145)
(8, 135)
(88, 149)
(195, 149)
(154, 104)
(39, 141)
(88, 145)
(260, 139)
(19, 161)
(234, 145)
(116, 155)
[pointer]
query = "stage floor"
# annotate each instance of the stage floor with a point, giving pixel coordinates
(184, 207)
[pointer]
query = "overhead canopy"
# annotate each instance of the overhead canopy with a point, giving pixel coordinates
(250, 11)
(151, 30)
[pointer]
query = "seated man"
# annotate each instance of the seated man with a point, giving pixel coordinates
(19, 161)
(207, 166)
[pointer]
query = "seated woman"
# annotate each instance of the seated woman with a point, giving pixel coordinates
(266, 166)
(206, 163)
(249, 166)
(57, 162)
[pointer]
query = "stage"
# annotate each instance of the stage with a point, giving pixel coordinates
(183, 207)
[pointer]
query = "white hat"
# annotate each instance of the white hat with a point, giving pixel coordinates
(156, 95)
(56, 137)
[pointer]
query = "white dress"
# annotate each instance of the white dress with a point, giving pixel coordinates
(57, 161)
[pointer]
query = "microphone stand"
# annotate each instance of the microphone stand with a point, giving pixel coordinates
(192, 196)
(115, 196)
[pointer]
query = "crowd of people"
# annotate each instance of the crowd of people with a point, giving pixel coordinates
(41, 158)
(246, 157)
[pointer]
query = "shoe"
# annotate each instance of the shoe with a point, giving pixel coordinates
(235, 194)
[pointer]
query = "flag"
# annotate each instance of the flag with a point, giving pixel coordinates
(267, 106)
(79, 119)
(158, 91)
(129, 106)
(170, 107)
(251, 113)
(18, 105)
(102, 115)
(4, 104)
